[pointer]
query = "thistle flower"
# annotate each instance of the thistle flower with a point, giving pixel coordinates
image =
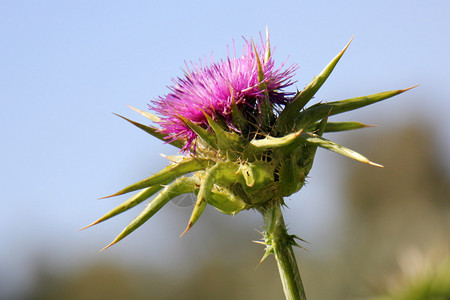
(247, 142)
(214, 89)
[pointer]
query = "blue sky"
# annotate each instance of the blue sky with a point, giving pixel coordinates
(65, 66)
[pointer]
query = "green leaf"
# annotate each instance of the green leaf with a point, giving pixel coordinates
(204, 134)
(221, 174)
(238, 118)
(131, 202)
(320, 110)
(288, 115)
(203, 195)
(262, 83)
(322, 126)
(329, 145)
(154, 132)
(266, 113)
(168, 174)
(182, 185)
(268, 52)
(230, 143)
(343, 126)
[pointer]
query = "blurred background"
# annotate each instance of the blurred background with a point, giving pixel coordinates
(65, 66)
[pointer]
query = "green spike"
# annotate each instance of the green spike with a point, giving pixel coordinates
(218, 130)
(238, 118)
(288, 115)
(329, 145)
(173, 158)
(343, 126)
(268, 251)
(182, 185)
(222, 173)
(228, 142)
(154, 132)
(268, 53)
(320, 110)
(131, 202)
(294, 237)
(168, 174)
(262, 84)
(265, 107)
(204, 134)
(322, 126)
(203, 196)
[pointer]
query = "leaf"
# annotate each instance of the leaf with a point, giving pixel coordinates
(230, 143)
(329, 145)
(262, 83)
(203, 195)
(288, 115)
(266, 115)
(206, 136)
(168, 174)
(343, 126)
(268, 52)
(322, 125)
(222, 173)
(182, 185)
(238, 118)
(320, 110)
(131, 202)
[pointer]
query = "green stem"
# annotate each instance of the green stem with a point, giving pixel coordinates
(279, 242)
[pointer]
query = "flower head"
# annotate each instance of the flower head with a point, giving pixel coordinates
(212, 89)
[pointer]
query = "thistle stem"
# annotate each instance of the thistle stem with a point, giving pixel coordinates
(279, 242)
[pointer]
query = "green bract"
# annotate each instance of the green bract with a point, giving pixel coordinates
(236, 168)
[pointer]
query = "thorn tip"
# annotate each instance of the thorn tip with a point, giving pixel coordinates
(85, 227)
(410, 88)
(375, 164)
(186, 230)
(106, 247)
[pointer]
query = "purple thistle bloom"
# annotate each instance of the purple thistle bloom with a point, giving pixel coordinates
(212, 90)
